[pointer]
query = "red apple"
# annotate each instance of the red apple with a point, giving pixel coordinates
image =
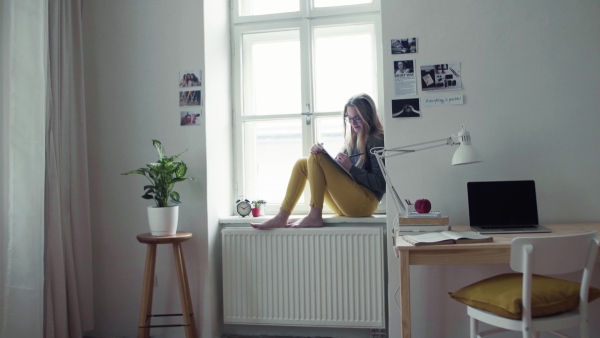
(422, 206)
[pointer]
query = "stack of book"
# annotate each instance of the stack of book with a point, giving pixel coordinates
(423, 222)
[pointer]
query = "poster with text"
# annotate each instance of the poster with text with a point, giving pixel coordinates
(405, 81)
(433, 101)
(443, 76)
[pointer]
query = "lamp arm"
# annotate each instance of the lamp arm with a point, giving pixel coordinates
(378, 152)
(380, 155)
(449, 141)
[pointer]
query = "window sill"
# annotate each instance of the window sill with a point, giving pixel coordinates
(330, 220)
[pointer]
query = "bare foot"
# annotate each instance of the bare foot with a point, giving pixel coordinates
(279, 221)
(314, 219)
(304, 223)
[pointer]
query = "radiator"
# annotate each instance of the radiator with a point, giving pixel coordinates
(325, 277)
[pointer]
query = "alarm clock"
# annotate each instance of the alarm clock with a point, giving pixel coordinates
(243, 207)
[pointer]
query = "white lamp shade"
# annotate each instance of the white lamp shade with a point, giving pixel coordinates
(465, 153)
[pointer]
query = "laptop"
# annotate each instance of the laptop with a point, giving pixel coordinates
(503, 207)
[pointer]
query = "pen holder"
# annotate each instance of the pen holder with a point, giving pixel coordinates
(410, 208)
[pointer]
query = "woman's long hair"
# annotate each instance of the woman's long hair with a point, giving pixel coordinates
(371, 126)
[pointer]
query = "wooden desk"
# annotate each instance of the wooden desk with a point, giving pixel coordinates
(497, 252)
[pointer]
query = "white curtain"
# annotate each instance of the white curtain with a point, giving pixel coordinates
(45, 243)
(68, 273)
(23, 163)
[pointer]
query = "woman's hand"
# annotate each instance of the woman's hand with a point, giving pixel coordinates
(344, 160)
(316, 148)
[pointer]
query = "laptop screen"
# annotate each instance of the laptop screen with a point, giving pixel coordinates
(501, 203)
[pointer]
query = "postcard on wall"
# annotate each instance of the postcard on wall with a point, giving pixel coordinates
(190, 78)
(190, 118)
(404, 46)
(444, 76)
(406, 108)
(190, 98)
(405, 81)
(442, 100)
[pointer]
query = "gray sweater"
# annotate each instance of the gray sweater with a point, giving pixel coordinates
(369, 174)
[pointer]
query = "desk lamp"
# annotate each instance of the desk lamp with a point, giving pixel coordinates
(465, 154)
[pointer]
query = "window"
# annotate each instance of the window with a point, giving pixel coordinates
(296, 62)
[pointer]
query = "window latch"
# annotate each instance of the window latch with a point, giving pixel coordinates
(308, 115)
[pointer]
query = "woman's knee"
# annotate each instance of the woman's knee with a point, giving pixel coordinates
(301, 165)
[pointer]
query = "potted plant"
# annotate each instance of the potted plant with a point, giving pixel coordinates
(256, 206)
(163, 175)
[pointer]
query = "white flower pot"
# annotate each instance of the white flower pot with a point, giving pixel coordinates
(163, 221)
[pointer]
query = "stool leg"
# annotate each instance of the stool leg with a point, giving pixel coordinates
(146, 307)
(184, 293)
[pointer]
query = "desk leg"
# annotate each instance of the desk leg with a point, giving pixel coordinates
(405, 293)
(148, 289)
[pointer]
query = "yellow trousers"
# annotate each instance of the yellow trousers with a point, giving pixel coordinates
(330, 185)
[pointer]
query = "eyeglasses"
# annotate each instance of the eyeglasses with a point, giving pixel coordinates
(356, 119)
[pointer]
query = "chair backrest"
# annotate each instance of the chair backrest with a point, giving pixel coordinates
(551, 255)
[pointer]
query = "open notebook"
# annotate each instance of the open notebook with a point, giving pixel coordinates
(332, 155)
(503, 207)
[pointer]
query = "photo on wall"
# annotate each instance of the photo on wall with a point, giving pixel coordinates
(404, 46)
(190, 118)
(406, 108)
(444, 76)
(404, 67)
(190, 78)
(190, 98)
(405, 81)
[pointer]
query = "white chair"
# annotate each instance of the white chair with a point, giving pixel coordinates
(545, 256)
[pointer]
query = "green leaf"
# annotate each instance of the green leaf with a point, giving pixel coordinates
(147, 197)
(175, 197)
(140, 171)
(181, 169)
(159, 148)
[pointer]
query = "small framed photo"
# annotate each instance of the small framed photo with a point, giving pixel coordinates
(404, 46)
(406, 108)
(190, 118)
(190, 98)
(190, 78)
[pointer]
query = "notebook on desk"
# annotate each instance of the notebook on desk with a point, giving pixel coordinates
(503, 207)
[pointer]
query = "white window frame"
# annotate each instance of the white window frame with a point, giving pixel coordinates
(306, 10)
(305, 20)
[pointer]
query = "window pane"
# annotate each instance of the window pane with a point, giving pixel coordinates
(271, 149)
(260, 7)
(334, 3)
(272, 73)
(330, 132)
(345, 65)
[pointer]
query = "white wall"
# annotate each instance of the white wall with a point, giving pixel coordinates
(133, 53)
(530, 75)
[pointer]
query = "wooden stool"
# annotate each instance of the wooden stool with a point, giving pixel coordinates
(184, 289)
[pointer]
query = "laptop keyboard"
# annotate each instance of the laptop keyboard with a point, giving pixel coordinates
(508, 226)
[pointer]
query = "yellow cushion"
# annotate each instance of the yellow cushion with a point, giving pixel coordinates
(502, 295)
